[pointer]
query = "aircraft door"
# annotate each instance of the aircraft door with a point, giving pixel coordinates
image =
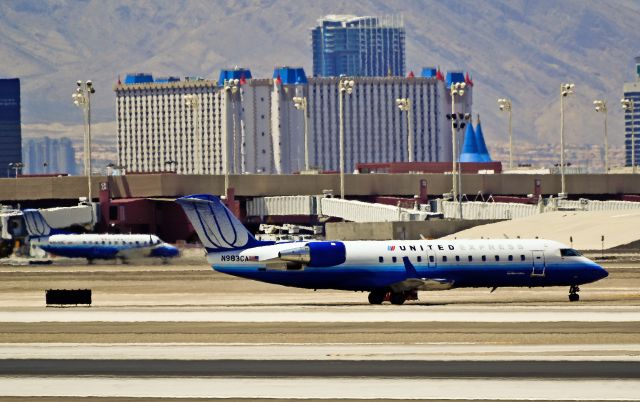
(539, 264)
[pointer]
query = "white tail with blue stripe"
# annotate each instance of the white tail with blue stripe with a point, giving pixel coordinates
(217, 228)
(36, 225)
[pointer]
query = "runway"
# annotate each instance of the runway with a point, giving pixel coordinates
(162, 332)
(321, 368)
(316, 389)
(381, 351)
(330, 314)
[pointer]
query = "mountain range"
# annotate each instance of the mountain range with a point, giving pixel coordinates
(518, 49)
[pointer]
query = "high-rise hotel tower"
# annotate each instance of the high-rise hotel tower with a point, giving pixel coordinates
(632, 118)
(358, 46)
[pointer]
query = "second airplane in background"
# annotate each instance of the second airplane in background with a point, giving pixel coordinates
(94, 246)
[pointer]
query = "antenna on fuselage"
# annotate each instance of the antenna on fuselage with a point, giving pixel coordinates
(505, 236)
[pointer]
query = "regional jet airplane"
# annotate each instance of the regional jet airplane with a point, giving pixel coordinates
(93, 246)
(389, 270)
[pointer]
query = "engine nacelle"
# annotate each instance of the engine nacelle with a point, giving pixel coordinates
(317, 254)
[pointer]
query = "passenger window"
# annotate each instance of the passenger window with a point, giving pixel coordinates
(510, 258)
(419, 259)
(522, 257)
(380, 259)
(394, 259)
(484, 258)
(470, 258)
(431, 259)
(444, 258)
(457, 258)
(497, 258)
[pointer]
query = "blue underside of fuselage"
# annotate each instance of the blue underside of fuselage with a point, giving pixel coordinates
(104, 252)
(367, 278)
(90, 252)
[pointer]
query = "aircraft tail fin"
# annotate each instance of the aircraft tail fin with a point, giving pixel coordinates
(217, 227)
(36, 225)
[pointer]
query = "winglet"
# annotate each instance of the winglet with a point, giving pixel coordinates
(408, 266)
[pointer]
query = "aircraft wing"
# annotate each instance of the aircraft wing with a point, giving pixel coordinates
(415, 282)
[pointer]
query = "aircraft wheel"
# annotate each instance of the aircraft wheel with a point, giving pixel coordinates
(573, 293)
(376, 297)
(398, 298)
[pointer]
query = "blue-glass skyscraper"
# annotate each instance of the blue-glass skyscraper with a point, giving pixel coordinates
(46, 155)
(10, 133)
(358, 46)
(632, 119)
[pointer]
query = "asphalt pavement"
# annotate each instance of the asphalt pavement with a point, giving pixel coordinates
(336, 368)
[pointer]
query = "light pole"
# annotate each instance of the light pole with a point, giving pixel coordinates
(601, 106)
(404, 104)
(565, 90)
(82, 99)
(346, 88)
(300, 103)
(505, 106)
(193, 102)
(628, 106)
(457, 89)
(230, 87)
(16, 166)
(458, 123)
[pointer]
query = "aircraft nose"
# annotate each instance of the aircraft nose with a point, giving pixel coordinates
(172, 250)
(600, 272)
(166, 250)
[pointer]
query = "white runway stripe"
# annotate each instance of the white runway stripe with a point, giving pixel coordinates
(326, 314)
(434, 351)
(585, 390)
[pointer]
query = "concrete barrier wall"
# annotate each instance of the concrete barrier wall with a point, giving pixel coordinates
(171, 185)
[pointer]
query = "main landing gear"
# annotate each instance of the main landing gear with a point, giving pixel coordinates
(397, 298)
(377, 297)
(573, 293)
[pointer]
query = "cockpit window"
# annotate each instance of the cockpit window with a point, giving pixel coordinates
(569, 252)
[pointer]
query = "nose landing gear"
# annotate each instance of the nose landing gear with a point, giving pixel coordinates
(573, 293)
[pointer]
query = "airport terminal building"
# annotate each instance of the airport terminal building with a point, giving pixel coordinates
(263, 131)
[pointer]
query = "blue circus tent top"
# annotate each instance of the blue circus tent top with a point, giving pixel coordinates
(454, 77)
(470, 151)
(429, 72)
(482, 146)
(138, 78)
(236, 73)
(290, 75)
